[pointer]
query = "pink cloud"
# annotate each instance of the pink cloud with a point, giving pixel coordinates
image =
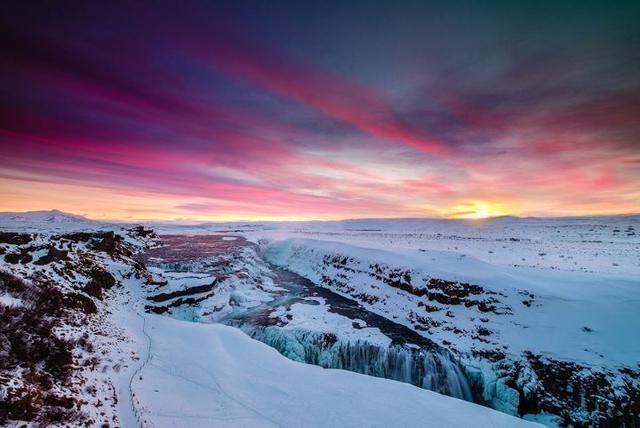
(337, 97)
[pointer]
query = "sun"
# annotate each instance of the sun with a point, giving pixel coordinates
(476, 210)
(481, 210)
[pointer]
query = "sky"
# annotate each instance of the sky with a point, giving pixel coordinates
(320, 109)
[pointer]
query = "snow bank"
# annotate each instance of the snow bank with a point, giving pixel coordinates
(222, 377)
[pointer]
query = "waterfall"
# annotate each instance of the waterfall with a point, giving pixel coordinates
(434, 370)
(409, 358)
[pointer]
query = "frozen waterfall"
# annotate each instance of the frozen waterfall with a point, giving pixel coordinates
(433, 370)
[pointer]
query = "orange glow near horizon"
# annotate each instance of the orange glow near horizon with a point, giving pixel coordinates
(111, 204)
(476, 209)
(480, 210)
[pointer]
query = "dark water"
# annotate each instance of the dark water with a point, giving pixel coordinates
(299, 289)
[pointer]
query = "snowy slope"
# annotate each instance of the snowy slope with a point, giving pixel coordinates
(206, 375)
(59, 294)
(534, 340)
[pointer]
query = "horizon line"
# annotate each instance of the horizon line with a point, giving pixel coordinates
(188, 221)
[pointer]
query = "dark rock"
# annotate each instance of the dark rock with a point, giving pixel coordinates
(22, 257)
(12, 258)
(156, 309)
(142, 232)
(490, 355)
(55, 400)
(482, 331)
(367, 298)
(20, 408)
(163, 297)
(176, 303)
(15, 238)
(28, 342)
(80, 302)
(54, 255)
(100, 280)
(77, 236)
(454, 288)
(108, 243)
(582, 396)
(329, 338)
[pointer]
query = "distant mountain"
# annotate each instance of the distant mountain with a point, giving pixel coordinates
(51, 216)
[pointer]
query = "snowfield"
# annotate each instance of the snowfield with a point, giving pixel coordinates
(589, 244)
(204, 375)
(535, 318)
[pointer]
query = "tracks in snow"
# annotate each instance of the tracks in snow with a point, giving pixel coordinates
(139, 415)
(130, 413)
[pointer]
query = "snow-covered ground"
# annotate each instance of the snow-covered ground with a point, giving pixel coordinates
(151, 370)
(205, 375)
(541, 314)
(590, 244)
(528, 304)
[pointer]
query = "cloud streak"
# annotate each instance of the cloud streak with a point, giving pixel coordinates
(207, 120)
